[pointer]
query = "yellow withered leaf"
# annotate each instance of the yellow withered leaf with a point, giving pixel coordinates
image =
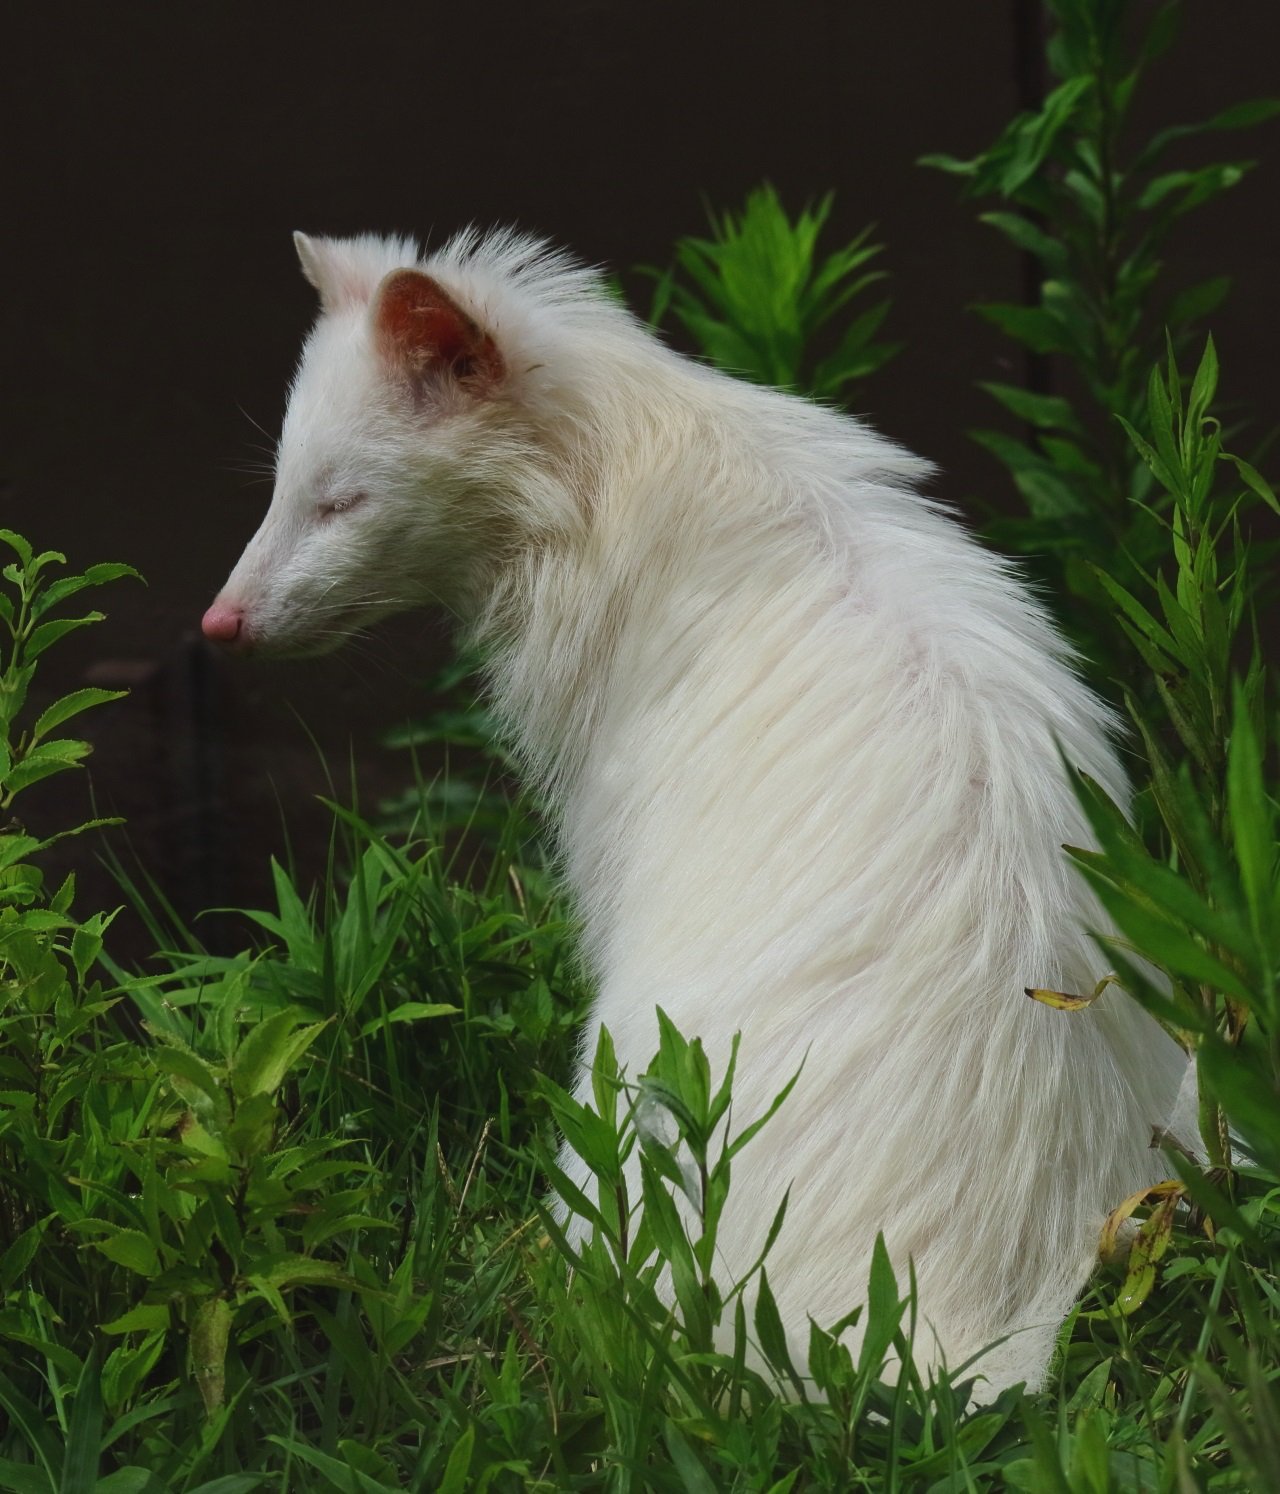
(1171, 1189)
(1064, 1002)
(1059, 1000)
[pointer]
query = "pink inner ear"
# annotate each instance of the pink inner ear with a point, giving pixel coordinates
(421, 326)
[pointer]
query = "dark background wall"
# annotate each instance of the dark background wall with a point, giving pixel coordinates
(158, 157)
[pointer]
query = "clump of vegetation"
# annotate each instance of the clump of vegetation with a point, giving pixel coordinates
(1093, 211)
(759, 303)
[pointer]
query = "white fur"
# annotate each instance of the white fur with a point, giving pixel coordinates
(799, 730)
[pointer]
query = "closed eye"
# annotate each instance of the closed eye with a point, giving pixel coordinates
(341, 505)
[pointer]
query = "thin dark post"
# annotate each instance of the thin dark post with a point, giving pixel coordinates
(1029, 76)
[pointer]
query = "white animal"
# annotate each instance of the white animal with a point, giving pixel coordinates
(800, 732)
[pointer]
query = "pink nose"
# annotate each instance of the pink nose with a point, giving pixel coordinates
(223, 624)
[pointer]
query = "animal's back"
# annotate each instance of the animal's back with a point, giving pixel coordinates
(823, 805)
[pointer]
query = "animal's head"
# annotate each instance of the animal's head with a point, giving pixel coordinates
(406, 446)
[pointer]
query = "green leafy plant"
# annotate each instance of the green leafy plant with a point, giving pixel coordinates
(1197, 906)
(29, 752)
(697, 1383)
(185, 1181)
(48, 1005)
(1094, 213)
(1205, 907)
(758, 301)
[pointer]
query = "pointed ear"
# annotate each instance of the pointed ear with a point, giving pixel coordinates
(423, 332)
(346, 271)
(311, 260)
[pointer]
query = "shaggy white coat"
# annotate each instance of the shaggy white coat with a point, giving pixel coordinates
(799, 730)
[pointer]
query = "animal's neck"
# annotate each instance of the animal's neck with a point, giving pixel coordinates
(688, 600)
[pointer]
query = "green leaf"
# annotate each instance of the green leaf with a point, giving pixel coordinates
(84, 1432)
(288, 1269)
(1050, 411)
(296, 923)
(1204, 385)
(1049, 491)
(785, 1484)
(270, 1050)
(749, 1132)
(770, 1332)
(1197, 301)
(856, 356)
(1153, 883)
(592, 1137)
(49, 633)
(1137, 614)
(341, 1475)
(885, 1309)
(210, 1330)
(20, 1254)
(44, 920)
(1251, 820)
(753, 296)
(1158, 938)
(1196, 186)
(127, 1367)
(694, 1478)
(952, 165)
(96, 575)
(130, 1480)
(13, 691)
(833, 375)
(1254, 480)
(1027, 236)
(14, 848)
(1037, 133)
(86, 943)
(231, 1483)
(146, 1318)
(252, 1128)
(1237, 117)
(1252, 1101)
(25, 1478)
(192, 1078)
(46, 1449)
(459, 1464)
(1242, 116)
(1166, 478)
(44, 761)
(71, 705)
(44, 560)
(132, 1249)
(16, 542)
(410, 1011)
(1027, 324)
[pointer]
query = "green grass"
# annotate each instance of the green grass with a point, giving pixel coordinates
(292, 1235)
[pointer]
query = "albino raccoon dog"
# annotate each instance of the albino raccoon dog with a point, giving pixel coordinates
(799, 732)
